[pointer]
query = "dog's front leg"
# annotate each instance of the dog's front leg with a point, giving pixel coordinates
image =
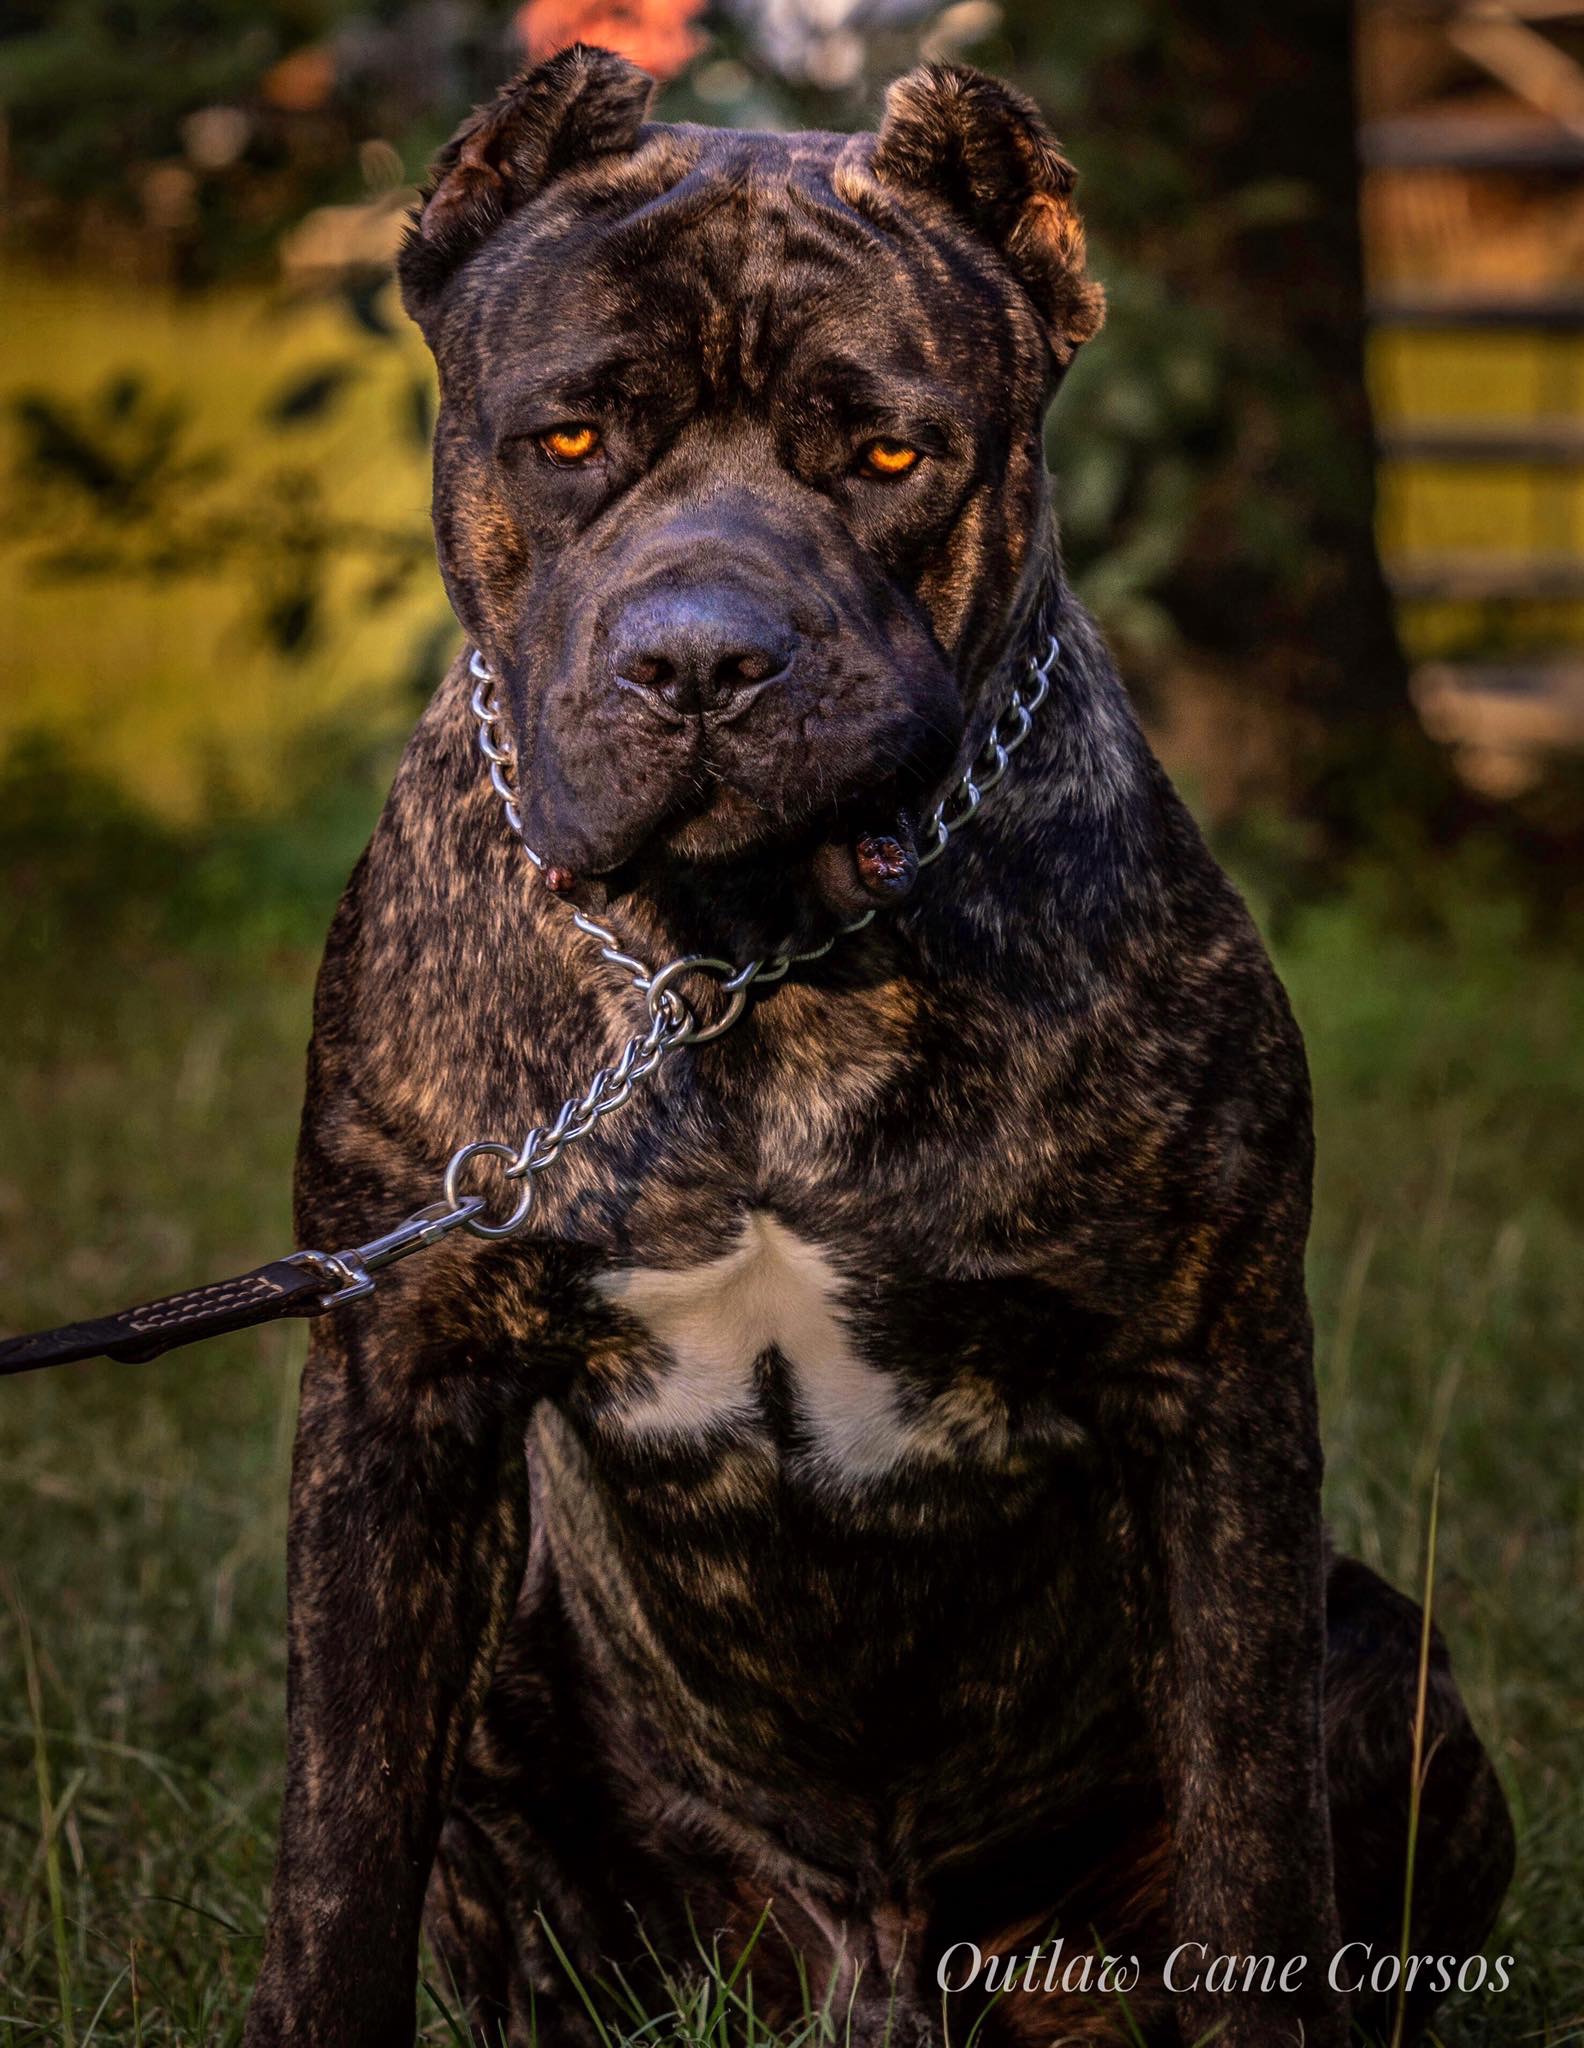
(408, 1522)
(1235, 1691)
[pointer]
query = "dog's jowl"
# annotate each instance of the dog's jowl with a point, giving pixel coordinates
(882, 1483)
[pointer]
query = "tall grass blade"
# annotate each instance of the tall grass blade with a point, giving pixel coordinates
(576, 1981)
(1416, 1781)
(48, 1818)
(110, 1991)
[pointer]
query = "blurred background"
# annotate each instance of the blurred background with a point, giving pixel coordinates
(1321, 478)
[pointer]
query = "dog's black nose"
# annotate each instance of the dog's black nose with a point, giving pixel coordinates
(706, 648)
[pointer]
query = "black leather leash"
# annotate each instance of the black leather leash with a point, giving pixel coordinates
(133, 1334)
(301, 1284)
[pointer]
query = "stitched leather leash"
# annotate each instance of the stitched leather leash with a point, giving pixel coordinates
(268, 1292)
(307, 1283)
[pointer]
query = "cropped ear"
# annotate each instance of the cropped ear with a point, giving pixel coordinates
(984, 148)
(580, 104)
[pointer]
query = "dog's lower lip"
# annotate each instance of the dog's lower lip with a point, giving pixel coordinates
(887, 862)
(862, 866)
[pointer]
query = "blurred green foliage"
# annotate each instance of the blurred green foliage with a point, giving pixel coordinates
(122, 485)
(181, 137)
(96, 88)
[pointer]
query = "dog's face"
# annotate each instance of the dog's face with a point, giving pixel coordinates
(738, 472)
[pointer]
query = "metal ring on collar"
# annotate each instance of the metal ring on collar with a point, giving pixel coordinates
(459, 1162)
(724, 971)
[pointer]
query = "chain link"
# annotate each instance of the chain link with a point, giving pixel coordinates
(673, 1023)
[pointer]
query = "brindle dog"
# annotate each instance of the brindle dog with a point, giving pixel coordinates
(919, 1526)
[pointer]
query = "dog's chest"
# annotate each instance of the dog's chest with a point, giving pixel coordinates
(762, 1329)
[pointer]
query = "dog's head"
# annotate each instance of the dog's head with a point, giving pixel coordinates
(738, 470)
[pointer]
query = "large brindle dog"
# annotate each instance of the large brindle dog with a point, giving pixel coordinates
(883, 1480)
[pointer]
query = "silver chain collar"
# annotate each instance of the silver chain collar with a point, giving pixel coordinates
(672, 1022)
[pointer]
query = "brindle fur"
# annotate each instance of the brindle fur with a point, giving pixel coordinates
(1079, 1657)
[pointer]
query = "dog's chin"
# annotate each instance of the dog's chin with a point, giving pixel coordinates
(858, 855)
(730, 826)
(848, 858)
(837, 860)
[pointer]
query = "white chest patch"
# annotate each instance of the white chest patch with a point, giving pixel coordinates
(772, 1290)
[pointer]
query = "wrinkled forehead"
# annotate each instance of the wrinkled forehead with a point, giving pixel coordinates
(749, 262)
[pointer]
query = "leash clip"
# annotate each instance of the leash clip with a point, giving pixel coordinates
(352, 1272)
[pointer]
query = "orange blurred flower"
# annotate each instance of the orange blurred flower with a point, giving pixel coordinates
(301, 81)
(658, 35)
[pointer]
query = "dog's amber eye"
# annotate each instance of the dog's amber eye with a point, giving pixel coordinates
(889, 458)
(570, 444)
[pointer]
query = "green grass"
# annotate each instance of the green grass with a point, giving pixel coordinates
(158, 1010)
